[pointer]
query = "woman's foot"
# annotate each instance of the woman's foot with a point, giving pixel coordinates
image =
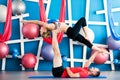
(96, 48)
(100, 50)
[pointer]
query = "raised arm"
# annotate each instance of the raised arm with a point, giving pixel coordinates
(87, 64)
(33, 21)
(41, 23)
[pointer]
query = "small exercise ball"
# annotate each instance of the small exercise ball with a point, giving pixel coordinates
(29, 60)
(113, 44)
(18, 7)
(47, 52)
(3, 13)
(30, 30)
(101, 57)
(90, 34)
(4, 50)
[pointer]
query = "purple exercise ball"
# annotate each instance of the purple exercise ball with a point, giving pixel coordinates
(113, 44)
(47, 52)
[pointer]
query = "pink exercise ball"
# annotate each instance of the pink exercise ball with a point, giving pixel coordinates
(30, 30)
(101, 57)
(29, 60)
(4, 50)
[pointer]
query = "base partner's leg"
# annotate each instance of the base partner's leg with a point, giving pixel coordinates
(57, 60)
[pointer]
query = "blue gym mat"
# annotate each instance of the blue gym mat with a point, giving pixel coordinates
(36, 77)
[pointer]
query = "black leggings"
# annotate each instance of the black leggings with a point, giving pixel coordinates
(58, 71)
(80, 23)
(73, 33)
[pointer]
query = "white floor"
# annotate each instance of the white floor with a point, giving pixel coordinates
(23, 75)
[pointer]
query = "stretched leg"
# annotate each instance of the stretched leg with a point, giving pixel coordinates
(80, 24)
(73, 32)
(57, 69)
(81, 39)
(57, 60)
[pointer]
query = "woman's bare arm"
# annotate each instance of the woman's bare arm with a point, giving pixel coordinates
(50, 26)
(91, 59)
(33, 21)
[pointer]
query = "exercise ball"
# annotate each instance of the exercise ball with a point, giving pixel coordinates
(18, 7)
(90, 34)
(47, 52)
(3, 13)
(113, 44)
(29, 60)
(4, 50)
(30, 30)
(101, 57)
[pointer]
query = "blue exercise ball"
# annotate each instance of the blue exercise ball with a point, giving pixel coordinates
(113, 44)
(18, 7)
(47, 52)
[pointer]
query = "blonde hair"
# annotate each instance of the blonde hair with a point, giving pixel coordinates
(46, 34)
